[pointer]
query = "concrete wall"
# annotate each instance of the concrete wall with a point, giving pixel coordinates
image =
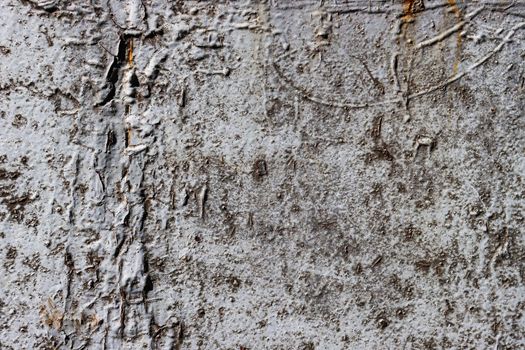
(262, 175)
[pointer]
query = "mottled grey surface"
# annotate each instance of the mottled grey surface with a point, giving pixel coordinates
(262, 175)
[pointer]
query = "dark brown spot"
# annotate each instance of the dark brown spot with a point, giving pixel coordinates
(423, 265)
(19, 121)
(380, 152)
(260, 169)
(8, 175)
(382, 323)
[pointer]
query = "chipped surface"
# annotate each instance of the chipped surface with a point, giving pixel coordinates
(262, 175)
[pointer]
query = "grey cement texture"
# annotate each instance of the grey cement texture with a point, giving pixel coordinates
(262, 174)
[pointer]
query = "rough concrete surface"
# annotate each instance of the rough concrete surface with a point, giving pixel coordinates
(277, 174)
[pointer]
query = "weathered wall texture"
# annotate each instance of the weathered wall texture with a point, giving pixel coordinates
(262, 175)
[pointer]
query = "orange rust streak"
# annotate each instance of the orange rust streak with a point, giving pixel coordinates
(129, 135)
(408, 17)
(455, 8)
(130, 53)
(408, 5)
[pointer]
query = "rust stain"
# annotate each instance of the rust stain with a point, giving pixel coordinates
(130, 53)
(459, 42)
(455, 8)
(408, 10)
(407, 17)
(127, 140)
